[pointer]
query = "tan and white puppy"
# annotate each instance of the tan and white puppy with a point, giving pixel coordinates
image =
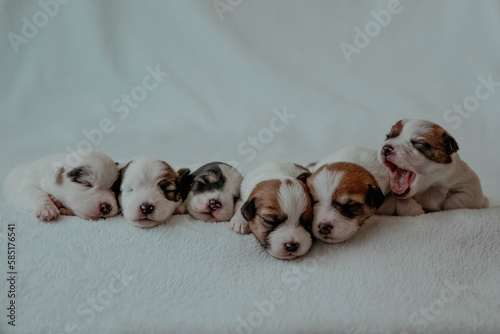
(211, 192)
(149, 191)
(344, 196)
(424, 165)
(275, 206)
(50, 187)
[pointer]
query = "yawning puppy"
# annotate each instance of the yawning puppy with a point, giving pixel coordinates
(344, 195)
(50, 186)
(275, 206)
(149, 191)
(423, 163)
(213, 189)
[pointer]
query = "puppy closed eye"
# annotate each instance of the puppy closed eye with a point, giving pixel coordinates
(350, 208)
(80, 175)
(168, 189)
(421, 145)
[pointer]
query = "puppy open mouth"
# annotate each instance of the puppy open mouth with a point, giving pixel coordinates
(401, 179)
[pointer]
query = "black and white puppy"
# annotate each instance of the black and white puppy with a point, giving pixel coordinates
(149, 191)
(276, 207)
(212, 191)
(50, 187)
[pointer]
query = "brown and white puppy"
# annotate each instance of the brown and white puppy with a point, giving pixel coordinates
(275, 206)
(149, 191)
(424, 165)
(211, 192)
(50, 187)
(344, 196)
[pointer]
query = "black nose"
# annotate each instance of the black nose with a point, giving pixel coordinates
(387, 150)
(214, 204)
(325, 229)
(291, 246)
(105, 208)
(147, 208)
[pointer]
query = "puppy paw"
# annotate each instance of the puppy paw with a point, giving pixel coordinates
(409, 208)
(239, 225)
(62, 209)
(47, 212)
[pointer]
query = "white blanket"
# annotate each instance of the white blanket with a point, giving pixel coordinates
(248, 82)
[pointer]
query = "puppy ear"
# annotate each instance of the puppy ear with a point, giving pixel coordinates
(183, 182)
(449, 143)
(303, 177)
(375, 196)
(116, 187)
(248, 210)
(56, 173)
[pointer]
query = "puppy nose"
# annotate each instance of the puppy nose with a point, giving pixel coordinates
(214, 204)
(325, 229)
(147, 208)
(387, 150)
(105, 208)
(292, 246)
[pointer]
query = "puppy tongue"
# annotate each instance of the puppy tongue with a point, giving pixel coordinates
(400, 181)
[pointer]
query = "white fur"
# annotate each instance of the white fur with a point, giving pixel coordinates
(197, 204)
(140, 186)
(436, 186)
(292, 200)
(28, 186)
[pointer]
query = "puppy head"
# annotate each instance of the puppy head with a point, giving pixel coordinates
(213, 190)
(344, 196)
(86, 189)
(416, 152)
(149, 192)
(279, 213)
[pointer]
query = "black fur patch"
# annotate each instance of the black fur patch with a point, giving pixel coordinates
(80, 175)
(208, 177)
(249, 210)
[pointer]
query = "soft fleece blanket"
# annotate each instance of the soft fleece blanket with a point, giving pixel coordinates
(248, 82)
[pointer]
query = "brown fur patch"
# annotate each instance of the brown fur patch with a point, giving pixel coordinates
(396, 130)
(438, 145)
(353, 197)
(168, 183)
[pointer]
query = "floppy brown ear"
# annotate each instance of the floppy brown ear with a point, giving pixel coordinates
(375, 196)
(303, 177)
(56, 173)
(248, 210)
(183, 182)
(450, 143)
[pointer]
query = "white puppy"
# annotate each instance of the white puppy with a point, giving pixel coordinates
(49, 187)
(149, 191)
(423, 164)
(275, 206)
(212, 191)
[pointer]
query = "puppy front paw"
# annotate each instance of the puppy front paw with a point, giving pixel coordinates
(409, 207)
(239, 225)
(47, 212)
(62, 209)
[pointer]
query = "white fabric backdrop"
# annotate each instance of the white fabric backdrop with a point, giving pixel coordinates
(230, 72)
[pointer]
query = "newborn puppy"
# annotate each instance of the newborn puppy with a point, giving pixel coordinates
(50, 187)
(344, 195)
(275, 206)
(213, 189)
(149, 191)
(422, 162)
